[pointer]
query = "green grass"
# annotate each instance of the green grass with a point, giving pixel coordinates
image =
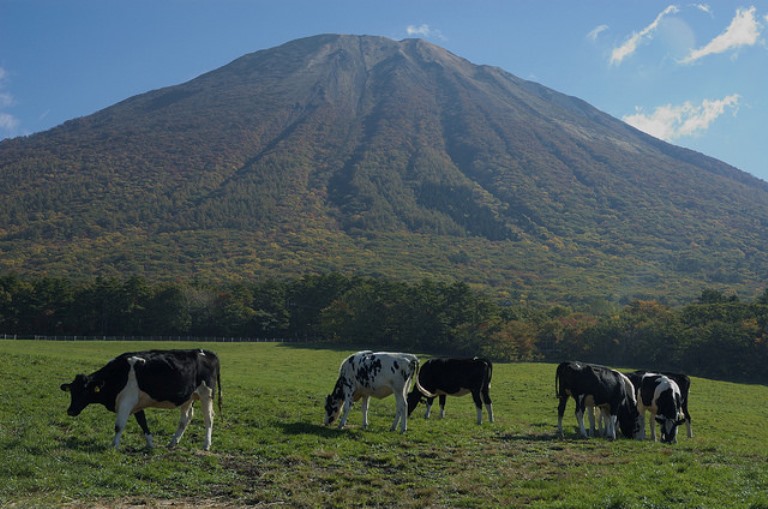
(270, 446)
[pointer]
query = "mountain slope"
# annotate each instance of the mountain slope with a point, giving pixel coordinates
(383, 157)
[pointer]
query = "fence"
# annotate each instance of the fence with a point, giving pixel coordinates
(213, 339)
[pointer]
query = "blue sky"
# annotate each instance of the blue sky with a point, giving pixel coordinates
(694, 74)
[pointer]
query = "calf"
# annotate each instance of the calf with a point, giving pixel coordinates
(455, 377)
(367, 374)
(592, 385)
(132, 382)
(682, 381)
(661, 396)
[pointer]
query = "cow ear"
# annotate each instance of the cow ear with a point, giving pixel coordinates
(659, 419)
(64, 387)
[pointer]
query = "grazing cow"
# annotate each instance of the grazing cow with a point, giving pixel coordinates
(454, 377)
(132, 382)
(592, 385)
(367, 374)
(660, 396)
(682, 381)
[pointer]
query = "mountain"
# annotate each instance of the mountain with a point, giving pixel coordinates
(367, 155)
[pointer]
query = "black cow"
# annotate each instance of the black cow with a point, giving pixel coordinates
(592, 385)
(454, 377)
(684, 384)
(660, 396)
(158, 378)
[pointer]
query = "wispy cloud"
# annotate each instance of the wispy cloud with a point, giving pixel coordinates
(703, 8)
(744, 30)
(8, 123)
(670, 122)
(634, 40)
(423, 30)
(593, 35)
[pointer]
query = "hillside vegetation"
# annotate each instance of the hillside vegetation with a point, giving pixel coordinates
(715, 335)
(269, 446)
(363, 155)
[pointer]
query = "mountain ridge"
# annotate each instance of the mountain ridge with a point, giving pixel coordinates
(338, 142)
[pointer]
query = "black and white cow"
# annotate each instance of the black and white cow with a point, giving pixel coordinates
(454, 377)
(597, 386)
(659, 395)
(134, 381)
(682, 381)
(367, 374)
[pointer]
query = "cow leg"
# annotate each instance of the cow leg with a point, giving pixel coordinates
(142, 420)
(442, 399)
(590, 411)
(365, 411)
(610, 423)
(642, 424)
(560, 413)
(186, 412)
(601, 424)
(687, 419)
(348, 407)
(429, 407)
(488, 403)
(206, 402)
(401, 411)
(580, 416)
(126, 404)
(478, 406)
(653, 426)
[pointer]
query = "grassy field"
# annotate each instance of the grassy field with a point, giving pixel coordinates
(270, 447)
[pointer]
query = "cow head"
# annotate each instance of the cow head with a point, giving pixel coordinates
(333, 403)
(414, 398)
(83, 391)
(669, 428)
(630, 420)
(332, 409)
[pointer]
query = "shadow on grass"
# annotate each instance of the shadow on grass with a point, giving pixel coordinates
(306, 428)
(89, 446)
(323, 345)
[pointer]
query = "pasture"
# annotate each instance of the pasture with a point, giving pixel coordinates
(270, 447)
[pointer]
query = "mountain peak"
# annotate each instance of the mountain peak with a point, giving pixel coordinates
(332, 151)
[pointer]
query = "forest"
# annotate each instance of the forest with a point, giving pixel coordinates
(717, 335)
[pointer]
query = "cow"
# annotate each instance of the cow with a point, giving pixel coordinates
(682, 381)
(660, 395)
(134, 381)
(591, 385)
(367, 374)
(454, 377)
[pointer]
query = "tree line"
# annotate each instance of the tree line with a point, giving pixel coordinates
(715, 335)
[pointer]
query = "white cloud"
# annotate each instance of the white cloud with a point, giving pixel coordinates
(670, 122)
(423, 30)
(8, 123)
(6, 99)
(705, 8)
(744, 30)
(592, 36)
(631, 44)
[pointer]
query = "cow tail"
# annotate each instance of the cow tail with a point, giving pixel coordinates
(422, 389)
(557, 382)
(218, 385)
